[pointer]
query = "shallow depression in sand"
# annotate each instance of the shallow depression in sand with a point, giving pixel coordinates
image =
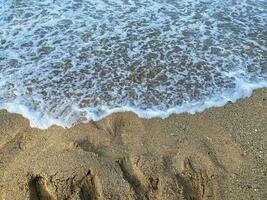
(67, 61)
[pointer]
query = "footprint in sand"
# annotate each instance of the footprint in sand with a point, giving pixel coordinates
(90, 188)
(41, 189)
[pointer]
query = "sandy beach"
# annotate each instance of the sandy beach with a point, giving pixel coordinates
(217, 154)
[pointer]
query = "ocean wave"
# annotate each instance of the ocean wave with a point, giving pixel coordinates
(66, 62)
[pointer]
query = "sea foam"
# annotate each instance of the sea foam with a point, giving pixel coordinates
(66, 62)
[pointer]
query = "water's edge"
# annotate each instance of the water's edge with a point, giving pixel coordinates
(43, 121)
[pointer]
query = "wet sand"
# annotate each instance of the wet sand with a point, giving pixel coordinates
(217, 154)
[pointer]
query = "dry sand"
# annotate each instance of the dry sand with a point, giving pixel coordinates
(217, 154)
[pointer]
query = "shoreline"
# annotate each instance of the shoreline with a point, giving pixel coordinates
(215, 154)
(43, 121)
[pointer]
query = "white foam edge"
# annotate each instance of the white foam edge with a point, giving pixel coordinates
(44, 121)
